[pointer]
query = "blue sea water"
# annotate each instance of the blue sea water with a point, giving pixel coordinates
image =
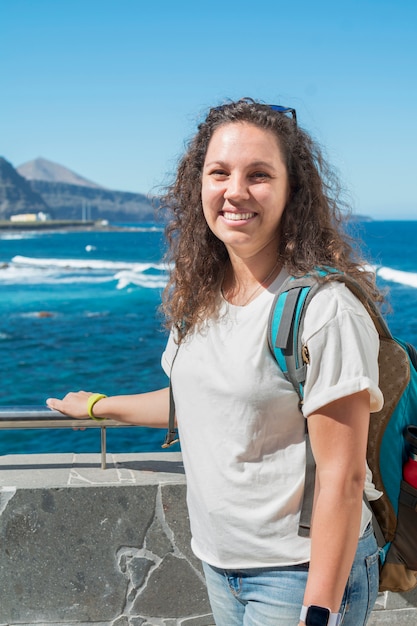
(79, 310)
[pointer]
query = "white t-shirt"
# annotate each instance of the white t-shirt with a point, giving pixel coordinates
(242, 435)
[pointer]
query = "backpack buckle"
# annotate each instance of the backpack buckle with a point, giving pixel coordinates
(170, 438)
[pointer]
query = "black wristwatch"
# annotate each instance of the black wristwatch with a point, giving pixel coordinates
(319, 616)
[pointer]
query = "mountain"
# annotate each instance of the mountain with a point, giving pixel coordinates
(16, 193)
(72, 202)
(42, 169)
(47, 187)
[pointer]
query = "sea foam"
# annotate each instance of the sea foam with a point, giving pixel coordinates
(28, 270)
(398, 276)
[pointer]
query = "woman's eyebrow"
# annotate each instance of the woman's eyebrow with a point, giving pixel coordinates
(259, 163)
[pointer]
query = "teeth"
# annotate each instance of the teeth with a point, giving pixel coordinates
(238, 216)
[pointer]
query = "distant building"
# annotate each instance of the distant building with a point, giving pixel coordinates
(30, 217)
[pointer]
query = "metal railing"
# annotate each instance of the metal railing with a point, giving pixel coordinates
(40, 417)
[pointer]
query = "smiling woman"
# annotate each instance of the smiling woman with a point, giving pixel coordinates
(253, 203)
(244, 193)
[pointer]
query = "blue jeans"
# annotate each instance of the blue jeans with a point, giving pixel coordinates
(273, 596)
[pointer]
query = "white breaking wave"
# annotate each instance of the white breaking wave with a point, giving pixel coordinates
(30, 271)
(11, 236)
(127, 278)
(85, 264)
(398, 276)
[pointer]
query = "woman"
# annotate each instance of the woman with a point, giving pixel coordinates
(252, 203)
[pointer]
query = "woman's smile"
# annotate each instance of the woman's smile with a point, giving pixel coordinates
(237, 217)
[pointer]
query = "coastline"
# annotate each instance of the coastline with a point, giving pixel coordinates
(67, 225)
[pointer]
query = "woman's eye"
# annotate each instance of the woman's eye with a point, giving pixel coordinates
(259, 175)
(219, 173)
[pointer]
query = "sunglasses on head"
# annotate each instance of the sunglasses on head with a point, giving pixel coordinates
(285, 110)
(274, 107)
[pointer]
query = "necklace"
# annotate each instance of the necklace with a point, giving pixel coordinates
(259, 286)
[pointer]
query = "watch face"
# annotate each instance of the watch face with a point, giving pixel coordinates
(317, 616)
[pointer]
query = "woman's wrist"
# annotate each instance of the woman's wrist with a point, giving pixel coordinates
(91, 402)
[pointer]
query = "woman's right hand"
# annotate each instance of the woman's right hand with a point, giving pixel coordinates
(74, 404)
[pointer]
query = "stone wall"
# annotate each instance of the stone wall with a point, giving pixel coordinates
(80, 545)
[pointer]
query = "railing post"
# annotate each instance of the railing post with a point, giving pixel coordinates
(103, 447)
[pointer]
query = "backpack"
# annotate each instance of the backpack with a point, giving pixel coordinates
(395, 512)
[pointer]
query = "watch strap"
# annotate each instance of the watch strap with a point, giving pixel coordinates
(334, 618)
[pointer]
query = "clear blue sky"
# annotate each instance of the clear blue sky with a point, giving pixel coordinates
(112, 88)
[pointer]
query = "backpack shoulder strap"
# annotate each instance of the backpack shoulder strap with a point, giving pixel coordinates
(284, 339)
(285, 318)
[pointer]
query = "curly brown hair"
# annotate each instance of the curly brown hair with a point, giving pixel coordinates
(312, 232)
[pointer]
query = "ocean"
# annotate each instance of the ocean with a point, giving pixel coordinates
(79, 310)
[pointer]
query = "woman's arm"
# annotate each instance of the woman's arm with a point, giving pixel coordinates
(338, 434)
(145, 409)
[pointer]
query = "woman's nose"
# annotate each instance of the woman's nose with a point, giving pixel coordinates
(236, 188)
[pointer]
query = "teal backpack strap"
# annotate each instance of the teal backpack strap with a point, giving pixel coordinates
(285, 318)
(284, 338)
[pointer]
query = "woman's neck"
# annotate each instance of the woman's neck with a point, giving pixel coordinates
(243, 281)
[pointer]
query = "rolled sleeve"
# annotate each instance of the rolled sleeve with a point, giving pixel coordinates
(343, 346)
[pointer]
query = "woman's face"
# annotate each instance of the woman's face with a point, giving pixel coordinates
(245, 188)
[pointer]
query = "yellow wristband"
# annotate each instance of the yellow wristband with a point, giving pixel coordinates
(95, 397)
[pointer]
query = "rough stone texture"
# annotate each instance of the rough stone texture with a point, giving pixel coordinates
(402, 617)
(82, 546)
(67, 539)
